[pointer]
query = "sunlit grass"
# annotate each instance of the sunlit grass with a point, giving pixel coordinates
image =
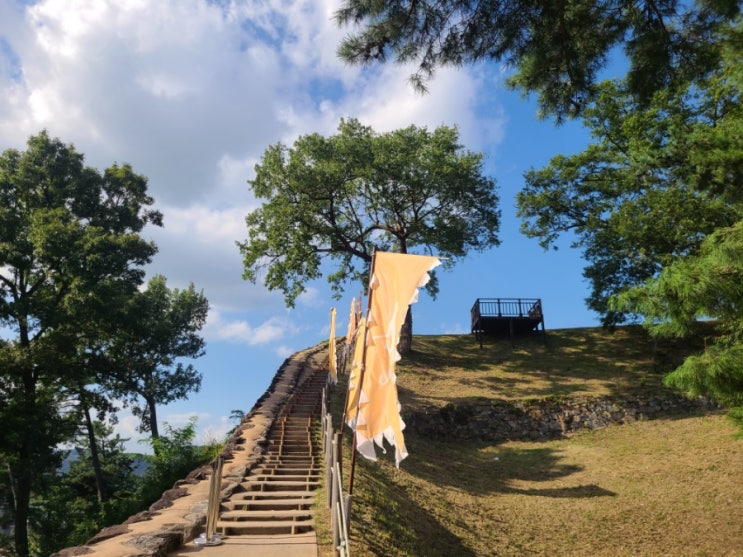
(662, 487)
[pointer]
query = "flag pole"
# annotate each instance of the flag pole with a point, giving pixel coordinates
(361, 375)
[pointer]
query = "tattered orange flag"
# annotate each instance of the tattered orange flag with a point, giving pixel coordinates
(332, 361)
(352, 400)
(352, 322)
(393, 286)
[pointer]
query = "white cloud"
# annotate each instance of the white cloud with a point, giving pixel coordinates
(219, 328)
(126, 427)
(178, 420)
(171, 87)
(197, 244)
(284, 351)
(191, 94)
(311, 297)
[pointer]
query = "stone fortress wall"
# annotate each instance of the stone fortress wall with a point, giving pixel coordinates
(179, 516)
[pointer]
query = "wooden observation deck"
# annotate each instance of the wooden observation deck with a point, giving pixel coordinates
(510, 317)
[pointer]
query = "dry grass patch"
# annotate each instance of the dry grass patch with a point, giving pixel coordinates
(661, 487)
(591, 362)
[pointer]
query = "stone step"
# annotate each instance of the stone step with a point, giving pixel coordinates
(292, 430)
(296, 437)
(271, 459)
(264, 514)
(298, 503)
(290, 448)
(286, 470)
(281, 477)
(294, 455)
(292, 439)
(278, 494)
(256, 496)
(283, 485)
(287, 480)
(298, 433)
(289, 464)
(263, 528)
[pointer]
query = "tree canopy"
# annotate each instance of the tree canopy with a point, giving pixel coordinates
(557, 49)
(160, 329)
(338, 198)
(69, 247)
(708, 285)
(655, 203)
(647, 191)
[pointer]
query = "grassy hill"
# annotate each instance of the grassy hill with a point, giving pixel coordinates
(667, 486)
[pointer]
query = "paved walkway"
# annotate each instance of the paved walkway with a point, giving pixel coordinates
(298, 545)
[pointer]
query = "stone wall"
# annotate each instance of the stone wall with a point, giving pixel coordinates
(500, 420)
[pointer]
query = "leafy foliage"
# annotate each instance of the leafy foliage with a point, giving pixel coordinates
(656, 205)
(653, 185)
(66, 511)
(557, 48)
(708, 285)
(175, 456)
(162, 326)
(338, 198)
(69, 250)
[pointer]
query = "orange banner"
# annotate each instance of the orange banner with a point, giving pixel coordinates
(332, 360)
(352, 400)
(393, 287)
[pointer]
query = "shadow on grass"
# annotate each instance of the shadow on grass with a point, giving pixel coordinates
(574, 361)
(382, 504)
(477, 469)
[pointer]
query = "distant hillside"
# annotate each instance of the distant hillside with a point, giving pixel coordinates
(667, 486)
(140, 462)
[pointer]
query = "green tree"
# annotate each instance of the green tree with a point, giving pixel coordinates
(66, 511)
(69, 244)
(651, 186)
(162, 327)
(707, 286)
(557, 48)
(656, 204)
(175, 456)
(338, 198)
(90, 400)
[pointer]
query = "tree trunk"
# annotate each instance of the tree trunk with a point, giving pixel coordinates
(154, 432)
(20, 474)
(405, 344)
(20, 481)
(95, 457)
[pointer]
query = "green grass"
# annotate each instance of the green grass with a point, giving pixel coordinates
(662, 487)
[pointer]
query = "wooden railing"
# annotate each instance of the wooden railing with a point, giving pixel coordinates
(506, 307)
(337, 503)
(506, 316)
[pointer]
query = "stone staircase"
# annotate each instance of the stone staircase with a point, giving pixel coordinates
(278, 493)
(272, 462)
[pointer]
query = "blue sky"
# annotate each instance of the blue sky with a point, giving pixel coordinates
(190, 93)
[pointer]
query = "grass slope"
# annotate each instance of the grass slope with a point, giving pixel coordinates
(660, 487)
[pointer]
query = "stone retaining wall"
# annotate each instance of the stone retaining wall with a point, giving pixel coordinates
(501, 420)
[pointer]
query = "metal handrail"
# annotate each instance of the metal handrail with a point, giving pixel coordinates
(339, 512)
(507, 307)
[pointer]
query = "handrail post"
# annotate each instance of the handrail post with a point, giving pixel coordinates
(209, 537)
